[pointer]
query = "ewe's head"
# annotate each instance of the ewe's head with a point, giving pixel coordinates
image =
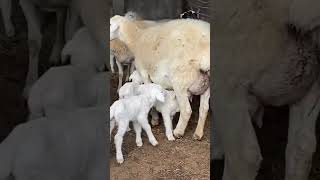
(115, 23)
(123, 28)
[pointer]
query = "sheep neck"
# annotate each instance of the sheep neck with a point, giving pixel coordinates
(130, 33)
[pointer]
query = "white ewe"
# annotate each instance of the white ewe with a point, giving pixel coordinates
(135, 109)
(174, 54)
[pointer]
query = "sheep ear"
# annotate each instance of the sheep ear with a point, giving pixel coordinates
(114, 30)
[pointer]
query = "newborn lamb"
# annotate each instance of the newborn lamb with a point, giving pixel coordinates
(168, 108)
(134, 109)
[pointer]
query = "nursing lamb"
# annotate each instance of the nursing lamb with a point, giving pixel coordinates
(135, 109)
(168, 108)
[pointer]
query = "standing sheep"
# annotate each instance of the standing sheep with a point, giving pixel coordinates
(174, 54)
(135, 109)
(122, 55)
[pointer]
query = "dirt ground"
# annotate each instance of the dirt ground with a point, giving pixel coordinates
(181, 159)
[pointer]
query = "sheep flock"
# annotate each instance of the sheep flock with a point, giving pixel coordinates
(168, 63)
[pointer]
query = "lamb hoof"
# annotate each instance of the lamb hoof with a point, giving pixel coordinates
(120, 161)
(154, 122)
(197, 137)
(154, 142)
(171, 138)
(178, 134)
(139, 144)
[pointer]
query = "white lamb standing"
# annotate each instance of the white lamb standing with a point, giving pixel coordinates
(174, 54)
(168, 108)
(134, 109)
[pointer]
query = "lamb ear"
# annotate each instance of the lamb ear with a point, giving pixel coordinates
(160, 97)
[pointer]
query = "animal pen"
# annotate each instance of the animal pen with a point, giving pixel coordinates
(184, 158)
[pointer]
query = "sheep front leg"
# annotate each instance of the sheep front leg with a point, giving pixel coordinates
(203, 112)
(145, 125)
(112, 62)
(59, 39)
(6, 15)
(167, 119)
(120, 74)
(185, 112)
(118, 139)
(154, 117)
(128, 72)
(138, 129)
(112, 125)
(236, 133)
(34, 41)
(301, 135)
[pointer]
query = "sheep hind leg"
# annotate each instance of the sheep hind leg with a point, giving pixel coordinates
(118, 139)
(137, 128)
(203, 112)
(120, 69)
(301, 135)
(185, 112)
